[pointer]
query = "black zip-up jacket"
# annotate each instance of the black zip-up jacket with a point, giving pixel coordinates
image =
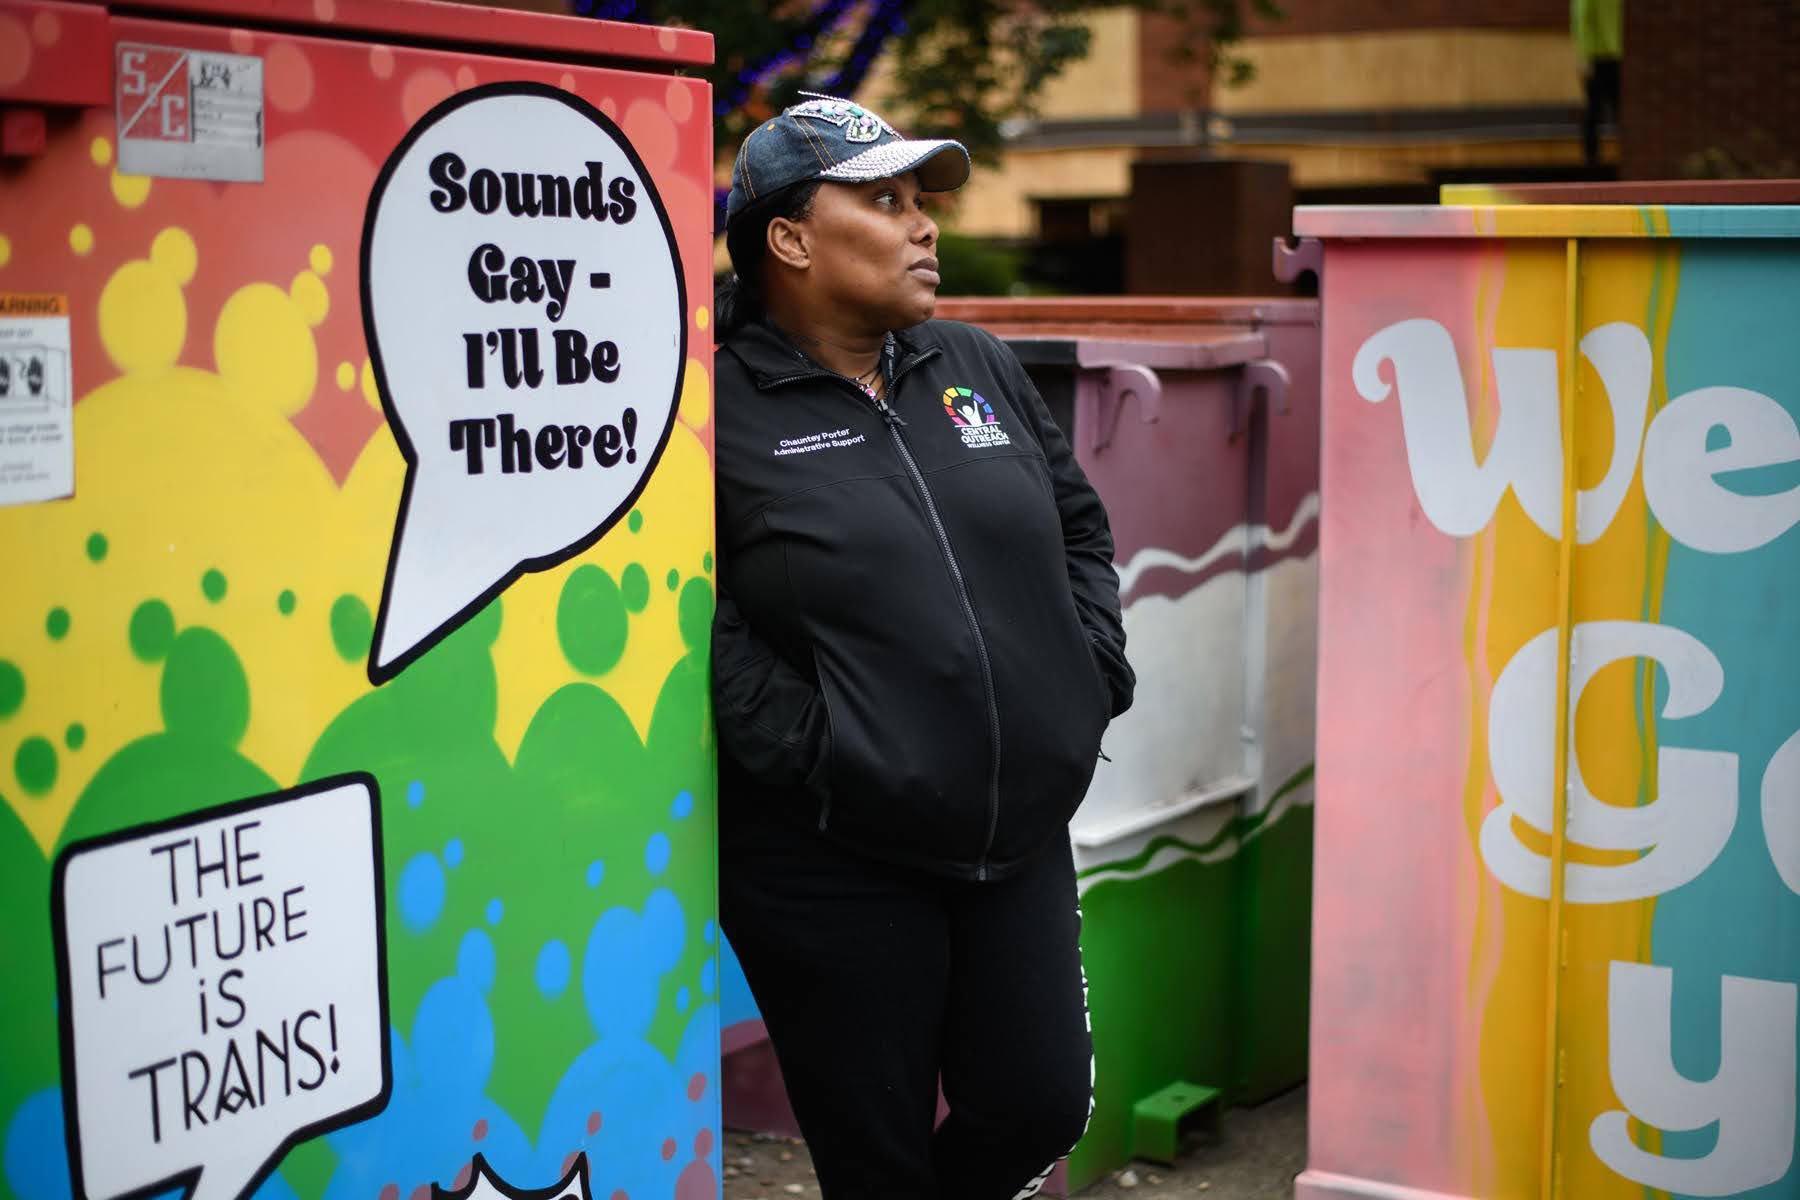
(917, 643)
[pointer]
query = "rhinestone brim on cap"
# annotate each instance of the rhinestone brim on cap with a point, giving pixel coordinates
(938, 171)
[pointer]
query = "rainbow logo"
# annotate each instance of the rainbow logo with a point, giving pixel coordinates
(967, 407)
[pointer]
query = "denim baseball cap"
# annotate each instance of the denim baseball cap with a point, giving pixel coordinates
(828, 138)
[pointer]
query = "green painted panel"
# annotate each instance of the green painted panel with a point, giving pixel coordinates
(1158, 952)
(1198, 972)
(1277, 959)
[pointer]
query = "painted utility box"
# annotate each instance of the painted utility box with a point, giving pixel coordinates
(1197, 421)
(355, 528)
(1557, 902)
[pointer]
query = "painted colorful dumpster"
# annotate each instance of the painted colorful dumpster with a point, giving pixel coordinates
(356, 777)
(1557, 901)
(1197, 421)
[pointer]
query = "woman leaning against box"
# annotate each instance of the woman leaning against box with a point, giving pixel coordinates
(916, 650)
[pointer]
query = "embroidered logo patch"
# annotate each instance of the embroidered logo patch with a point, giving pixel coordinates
(974, 418)
(858, 123)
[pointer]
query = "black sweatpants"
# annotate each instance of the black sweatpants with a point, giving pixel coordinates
(874, 980)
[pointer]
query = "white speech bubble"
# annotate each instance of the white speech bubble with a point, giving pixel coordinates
(527, 324)
(223, 995)
(483, 1184)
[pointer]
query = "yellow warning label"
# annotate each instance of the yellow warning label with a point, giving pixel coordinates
(28, 304)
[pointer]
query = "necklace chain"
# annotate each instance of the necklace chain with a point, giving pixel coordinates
(869, 381)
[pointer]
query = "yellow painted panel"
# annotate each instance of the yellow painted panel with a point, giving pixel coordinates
(1619, 576)
(1517, 604)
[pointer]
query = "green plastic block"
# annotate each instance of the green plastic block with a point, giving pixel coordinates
(1159, 1120)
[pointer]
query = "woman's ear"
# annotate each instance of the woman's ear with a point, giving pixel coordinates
(788, 244)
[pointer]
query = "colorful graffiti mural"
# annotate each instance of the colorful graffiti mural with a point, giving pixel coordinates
(1557, 933)
(192, 631)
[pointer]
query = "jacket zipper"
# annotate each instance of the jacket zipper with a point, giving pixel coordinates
(894, 423)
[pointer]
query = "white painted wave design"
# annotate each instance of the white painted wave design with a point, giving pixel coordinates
(1168, 855)
(1240, 539)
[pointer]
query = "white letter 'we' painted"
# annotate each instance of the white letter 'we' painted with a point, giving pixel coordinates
(1751, 1098)
(1459, 495)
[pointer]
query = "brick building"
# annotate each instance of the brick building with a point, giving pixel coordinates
(1711, 89)
(1359, 100)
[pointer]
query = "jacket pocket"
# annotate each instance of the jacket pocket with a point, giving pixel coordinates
(1100, 681)
(770, 718)
(909, 762)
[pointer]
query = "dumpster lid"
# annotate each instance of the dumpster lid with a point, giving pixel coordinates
(1195, 352)
(439, 23)
(1160, 318)
(1549, 221)
(1162, 332)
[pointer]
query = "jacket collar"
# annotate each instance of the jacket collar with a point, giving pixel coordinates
(771, 359)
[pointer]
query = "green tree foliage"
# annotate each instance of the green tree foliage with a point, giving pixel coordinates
(962, 67)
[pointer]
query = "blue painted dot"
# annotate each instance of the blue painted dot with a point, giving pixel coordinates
(710, 931)
(553, 968)
(683, 999)
(421, 892)
(453, 852)
(495, 910)
(707, 974)
(415, 793)
(35, 1125)
(595, 873)
(656, 853)
(475, 959)
(683, 806)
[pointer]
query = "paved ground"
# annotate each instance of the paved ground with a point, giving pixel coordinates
(1260, 1152)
